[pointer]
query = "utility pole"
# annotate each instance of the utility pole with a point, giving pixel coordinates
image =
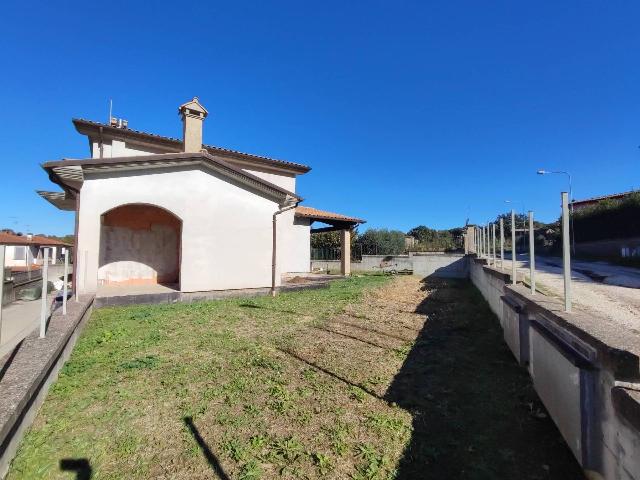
(532, 256)
(566, 254)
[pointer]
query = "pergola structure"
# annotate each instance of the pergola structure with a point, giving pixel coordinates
(336, 222)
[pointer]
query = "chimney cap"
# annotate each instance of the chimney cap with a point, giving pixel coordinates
(194, 108)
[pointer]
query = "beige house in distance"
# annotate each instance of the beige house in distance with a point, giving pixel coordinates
(179, 214)
(26, 251)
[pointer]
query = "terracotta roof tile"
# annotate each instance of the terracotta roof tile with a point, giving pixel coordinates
(176, 142)
(12, 239)
(322, 215)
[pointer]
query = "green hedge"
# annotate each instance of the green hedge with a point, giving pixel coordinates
(609, 219)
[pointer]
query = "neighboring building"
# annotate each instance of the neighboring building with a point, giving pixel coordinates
(28, 250)
(157, 210)
(612, 238)
(577, 205)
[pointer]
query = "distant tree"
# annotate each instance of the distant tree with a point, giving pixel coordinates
(330, 239)
(70, 239)
(423, 234)
(429, 239)
(522, 220)
(381, 241)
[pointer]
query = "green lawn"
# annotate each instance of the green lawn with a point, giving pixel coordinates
(138, 372)
(344, 382)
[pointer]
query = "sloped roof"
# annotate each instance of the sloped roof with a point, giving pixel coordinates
(89, 126)
(69, 174)
(603, 197)
(324, 216)
(12, 239)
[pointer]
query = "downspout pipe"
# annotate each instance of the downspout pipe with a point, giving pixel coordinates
(284, 208)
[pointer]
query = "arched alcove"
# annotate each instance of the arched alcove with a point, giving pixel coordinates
(139, 245)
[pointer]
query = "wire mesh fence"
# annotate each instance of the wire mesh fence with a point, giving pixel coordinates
(357, 251)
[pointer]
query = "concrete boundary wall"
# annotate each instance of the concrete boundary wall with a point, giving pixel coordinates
(585, 375)
(444, 265)
(29, 371)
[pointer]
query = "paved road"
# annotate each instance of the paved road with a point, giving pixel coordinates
(21, 317)
(601, 288)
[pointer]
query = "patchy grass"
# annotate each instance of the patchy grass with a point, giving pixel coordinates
(347, 382)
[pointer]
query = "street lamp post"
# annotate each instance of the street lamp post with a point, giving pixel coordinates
(573, 231)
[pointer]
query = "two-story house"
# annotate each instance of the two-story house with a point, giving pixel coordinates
(153, 210)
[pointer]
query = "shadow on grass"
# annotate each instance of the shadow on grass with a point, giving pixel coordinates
(206, 451)
(351, 337)
(340, 378)
(475, 413)
(374, 331)
(269, 308)
(81, 466)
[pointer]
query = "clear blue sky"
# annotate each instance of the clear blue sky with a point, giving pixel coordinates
(409, 112)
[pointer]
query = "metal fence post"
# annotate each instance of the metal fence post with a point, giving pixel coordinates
(566, 253)
(64, 287)
(43, 296)
(488, 244)
(475, 241)
(501, 244)
(486, 239)
(493, 235)
(532, 255)
(86, 262)
(492, 245)
(513, 247)
(2, 251)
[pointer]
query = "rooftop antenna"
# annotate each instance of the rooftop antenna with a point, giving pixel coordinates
(110, 110)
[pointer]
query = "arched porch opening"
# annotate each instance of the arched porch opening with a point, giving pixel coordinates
(139, 245)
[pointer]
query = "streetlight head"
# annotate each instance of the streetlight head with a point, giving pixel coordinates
(542, 172)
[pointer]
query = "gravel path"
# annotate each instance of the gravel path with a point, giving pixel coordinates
(618, 304)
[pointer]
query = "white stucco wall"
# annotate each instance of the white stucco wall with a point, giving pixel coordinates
(9, 254)
(31, 252)
(119, 148)
(294, 243)
(226, 229)
(288, 182)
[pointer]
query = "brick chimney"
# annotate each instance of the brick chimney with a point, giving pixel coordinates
(193, 115)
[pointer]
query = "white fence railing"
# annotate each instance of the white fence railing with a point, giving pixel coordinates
(21, 313)
(484, 246)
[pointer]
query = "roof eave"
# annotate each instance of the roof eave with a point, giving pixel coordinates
(166, 160)
(89, 128)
